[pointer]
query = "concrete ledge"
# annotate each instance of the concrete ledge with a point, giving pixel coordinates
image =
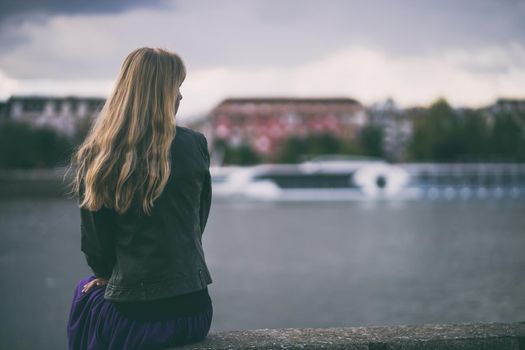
(427, 336)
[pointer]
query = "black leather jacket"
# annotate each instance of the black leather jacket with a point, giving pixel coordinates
(158, 256)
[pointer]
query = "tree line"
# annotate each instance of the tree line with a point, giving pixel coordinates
(440, 134)
(443, 134)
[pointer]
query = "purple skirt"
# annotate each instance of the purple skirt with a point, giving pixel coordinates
(95, 323)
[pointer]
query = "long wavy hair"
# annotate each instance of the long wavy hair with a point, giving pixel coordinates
(125, 161)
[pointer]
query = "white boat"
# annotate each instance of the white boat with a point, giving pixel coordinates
(321, 178)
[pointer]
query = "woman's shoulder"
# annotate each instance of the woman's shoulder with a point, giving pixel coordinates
(189, 131)
(187, 141)
(194, 134)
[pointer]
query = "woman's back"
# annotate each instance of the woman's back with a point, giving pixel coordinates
(161, 255)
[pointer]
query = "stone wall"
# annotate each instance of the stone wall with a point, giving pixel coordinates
(463, 336)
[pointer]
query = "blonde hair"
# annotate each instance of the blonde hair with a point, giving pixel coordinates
(125, 157)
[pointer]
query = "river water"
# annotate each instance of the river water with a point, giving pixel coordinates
(315, 264)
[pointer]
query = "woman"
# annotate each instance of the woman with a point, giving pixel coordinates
(144, 190)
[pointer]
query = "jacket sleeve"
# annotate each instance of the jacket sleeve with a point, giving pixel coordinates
(206, 193)
(97, 241)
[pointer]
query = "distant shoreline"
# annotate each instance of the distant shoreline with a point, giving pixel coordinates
(45, 182)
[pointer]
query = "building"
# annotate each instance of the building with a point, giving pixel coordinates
(263, 123)
(397, 126)
(60, 113)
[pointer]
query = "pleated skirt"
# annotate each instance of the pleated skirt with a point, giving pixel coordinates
(94, 323)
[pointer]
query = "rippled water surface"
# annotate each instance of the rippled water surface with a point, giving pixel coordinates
(292, 264)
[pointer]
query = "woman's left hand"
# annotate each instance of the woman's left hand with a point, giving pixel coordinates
(95, 282)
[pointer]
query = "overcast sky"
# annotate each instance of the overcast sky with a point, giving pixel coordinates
(470, 52)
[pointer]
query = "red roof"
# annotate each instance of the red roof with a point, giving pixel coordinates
(330, 100)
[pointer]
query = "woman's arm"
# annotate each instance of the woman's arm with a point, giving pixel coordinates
(206, 193)
(97, 241)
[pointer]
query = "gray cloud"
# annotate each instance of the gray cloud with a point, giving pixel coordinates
(252, 39)
(17, 9)
(14, 14)
(248, 34)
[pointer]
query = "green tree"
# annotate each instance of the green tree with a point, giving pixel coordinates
(437, 136)
(507, 139)
(445, 135)
(291, 150)
(241, 155)
(295, 148)
(22, 146)
(371, 141)
(476, 136)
